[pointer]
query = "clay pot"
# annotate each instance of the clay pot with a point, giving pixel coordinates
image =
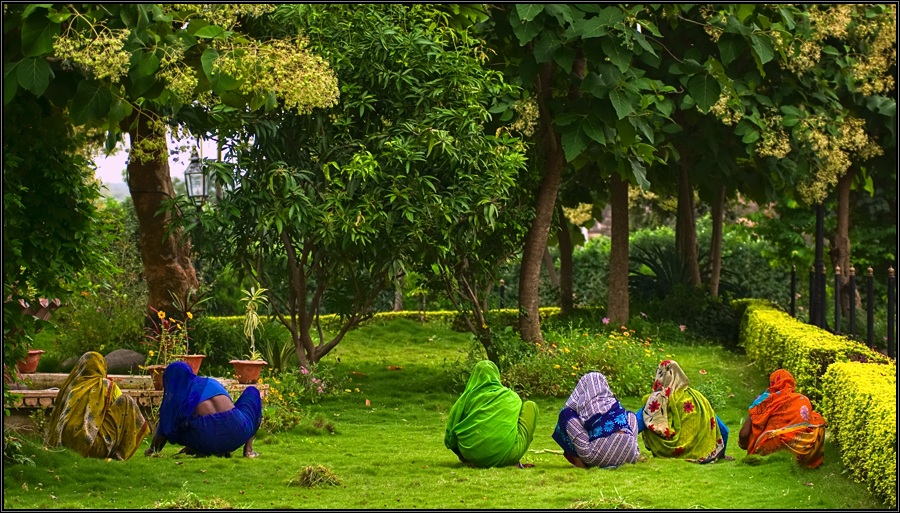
(30, 363)
(194, 360)
(247, 371)
(156, 372)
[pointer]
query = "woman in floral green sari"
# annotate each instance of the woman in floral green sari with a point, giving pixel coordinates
(489, 425)
(677, 421)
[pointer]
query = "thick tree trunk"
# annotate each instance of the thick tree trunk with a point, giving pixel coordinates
(538, 232)
(840, 240)
(566, 288)
(715, 245)
(617, 304)
(166, 258)
(685, 226)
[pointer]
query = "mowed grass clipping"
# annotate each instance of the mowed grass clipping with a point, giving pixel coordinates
(391, 453)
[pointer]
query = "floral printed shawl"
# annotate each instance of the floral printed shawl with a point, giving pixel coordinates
(784, 419)
(680, 421)
(92, 417)
(483, 423)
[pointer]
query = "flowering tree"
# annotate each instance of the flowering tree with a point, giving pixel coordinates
(132, 69)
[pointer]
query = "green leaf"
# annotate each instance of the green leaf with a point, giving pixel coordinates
(744, 11)
(33, 7)
(752, 135)
(92, 101)
(620, 57)
(621, 102)
(564, 56)
(210, 32)
(593, 128)
(640, 174)
(729, 48)
(762, 47)
(37, 35)
(34, 75)
(830, 50)
(148, 63)
(10, 83)
(206, 61)
(609, 16)
(525, 30)
(589, 28)
(705, 90)
(528, 12)
(562, 13)
(119, 110)
(545, 47)
(573, 143)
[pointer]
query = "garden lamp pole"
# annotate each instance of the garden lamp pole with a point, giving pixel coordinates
(195, 179)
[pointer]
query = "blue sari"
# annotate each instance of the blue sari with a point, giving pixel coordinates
(218, 433)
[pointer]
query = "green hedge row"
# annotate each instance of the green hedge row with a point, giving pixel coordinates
(775, 340)
(860, 404)
(853, 386)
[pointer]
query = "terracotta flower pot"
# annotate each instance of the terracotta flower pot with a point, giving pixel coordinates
(194, 360)
(156, 372)
(247, 371)
(30, 363)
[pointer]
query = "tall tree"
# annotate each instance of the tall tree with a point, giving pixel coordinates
(131, 68)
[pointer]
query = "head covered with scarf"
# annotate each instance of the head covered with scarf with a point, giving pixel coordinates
(483, 422)
(680, 421)
(92, 417)
(596, 406)
(182, 390)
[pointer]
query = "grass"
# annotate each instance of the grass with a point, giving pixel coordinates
(391, 454)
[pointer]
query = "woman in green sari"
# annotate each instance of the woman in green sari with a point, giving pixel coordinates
(677, 421)
(489, 425)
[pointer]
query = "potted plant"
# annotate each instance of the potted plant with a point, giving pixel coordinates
(186, 306)
(168, 340)
(247, 371)
(30, 363)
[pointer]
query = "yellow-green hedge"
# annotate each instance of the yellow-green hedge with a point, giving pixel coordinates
(860, 404)
(775, 340)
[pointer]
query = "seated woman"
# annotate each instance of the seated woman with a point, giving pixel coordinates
(783, 419)
(594, 430)
(678, 421)
(92, 417)
(198, 413)
(489, 425)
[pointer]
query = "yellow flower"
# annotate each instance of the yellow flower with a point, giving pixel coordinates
(573, 373)
(161, 314)
(356, 390)
(556, 366)
(347, 390)
(151, 353)
(190, 315)
(566, 349)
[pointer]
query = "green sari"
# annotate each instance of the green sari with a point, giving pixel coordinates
(489, 426)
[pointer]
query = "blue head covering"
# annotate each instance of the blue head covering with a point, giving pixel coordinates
(182, 390)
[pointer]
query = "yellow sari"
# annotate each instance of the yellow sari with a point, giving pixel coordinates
(92, 417)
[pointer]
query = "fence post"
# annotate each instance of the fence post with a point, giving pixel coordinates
(870, 307)
(502, 291)
(892, 303)
(812, 294)
(852, 302)
(837, 300)
(793, 291)
(820, 302)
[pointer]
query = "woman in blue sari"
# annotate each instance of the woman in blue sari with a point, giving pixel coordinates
(593, 429)
(198, 413)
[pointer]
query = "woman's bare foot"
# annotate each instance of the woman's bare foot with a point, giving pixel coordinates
(251, 454)
(524, 465)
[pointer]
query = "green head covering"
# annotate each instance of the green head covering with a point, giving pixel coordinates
(483, 422)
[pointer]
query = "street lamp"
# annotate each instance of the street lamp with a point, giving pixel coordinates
(195, 179)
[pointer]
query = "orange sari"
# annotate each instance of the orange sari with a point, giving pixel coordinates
(784, 419)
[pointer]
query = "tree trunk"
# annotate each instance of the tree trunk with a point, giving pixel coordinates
(166, 258)
(551, 268)
(840, 240)
(398, 295)
(617, 304)
(685, 226)
(566, 289)
(538, 232)
(715, 245)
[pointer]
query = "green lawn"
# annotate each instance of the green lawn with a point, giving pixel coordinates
(391, 454)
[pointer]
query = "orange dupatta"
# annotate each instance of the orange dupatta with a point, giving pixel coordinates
(784, 419)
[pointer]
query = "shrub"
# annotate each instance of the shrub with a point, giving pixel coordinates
(776, 340)
(290, 391)
(859, 403)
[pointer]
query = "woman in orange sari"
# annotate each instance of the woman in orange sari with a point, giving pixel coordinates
(783, 419)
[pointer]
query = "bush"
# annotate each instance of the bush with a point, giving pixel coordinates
(290, 391)
(776, 340)
(859, 403)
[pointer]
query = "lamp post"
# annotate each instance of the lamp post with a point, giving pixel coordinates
(197, 191)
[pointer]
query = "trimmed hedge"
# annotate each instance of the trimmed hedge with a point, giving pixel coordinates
(859, 403)
(775, 340)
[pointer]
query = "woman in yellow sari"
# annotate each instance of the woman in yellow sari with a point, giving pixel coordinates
(783, 419)
(92, 417)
